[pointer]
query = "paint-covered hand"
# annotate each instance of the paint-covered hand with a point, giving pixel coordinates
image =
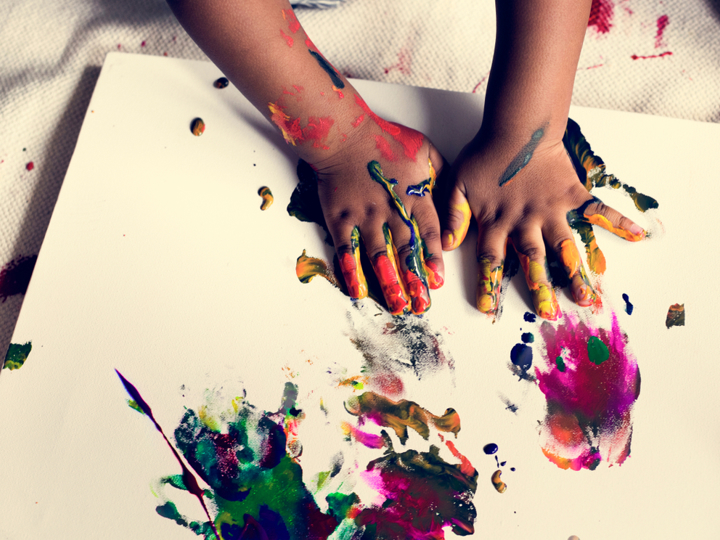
(525, 191)
(376, 190)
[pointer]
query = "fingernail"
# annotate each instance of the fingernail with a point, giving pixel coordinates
(435, 278)
(419, 295)
(450, 240)
(545, 301)
(637, 230)
(583, 295)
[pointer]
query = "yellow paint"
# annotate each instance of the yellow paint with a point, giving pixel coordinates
(488, 287)
(267, 197)
(279, 118)
(602, 221)
(544, 299)
(500, 486)
(307, 268)
(456, 237)
(582, 291)
(360, 274)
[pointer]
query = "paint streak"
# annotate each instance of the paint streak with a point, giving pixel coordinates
(638, 57)
(387, 272)
(383, 146)
(675, 316)
(316, 130)
(404, 63)
(288, 39)
(543, 296)
(370, 440)
(466, 467)
(338, 92)
(662, 23)
(414, 276)
(523, 157)
(582, 290)
(487, 297)
(410, 139)
(291, 18)
(329, 69)
(358, 120)
(352, 270)
(30, 166)
(434, 277)
(17, 355)
(456, 237)
(601, 14)
(499, 485)
(15, 276)
(307, 268)
(357, 382)
(521, 356)
(267, 197)
(589, 399)
(187, 478)
(221, 83)
(197, 127)
(628, 306)
(423, 188)
(401, 415)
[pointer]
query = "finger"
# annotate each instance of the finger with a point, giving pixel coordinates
(531, 252)
(560, 237)
(381, 251)
(349, 260)
(410, 263)
(595, 257)
(491, 247)
(457, 220)
(598, 213)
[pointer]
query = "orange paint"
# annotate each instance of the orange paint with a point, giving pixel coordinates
(354, 277)
(419, 295)
(338, 92)
(543, 296)
(465, 466)
(290, 127)
(582, 290)
(602, 221)
(434, 277)
(387, 273)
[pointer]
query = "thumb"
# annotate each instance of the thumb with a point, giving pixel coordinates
(456, 220)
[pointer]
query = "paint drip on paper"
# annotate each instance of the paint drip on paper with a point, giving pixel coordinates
(16, 355)
(591, 381)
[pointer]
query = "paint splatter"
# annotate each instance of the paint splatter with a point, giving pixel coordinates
(529, 317)
(267, 197)
(521, 356)
(490, 448)
(17, 355)
(523, 157)
(628, 306)
(527, 337)
(601, 14)
(316, 129)
(662, 23)
(499, 485)
(647, 57)
(675, 316)
(30, 166)
(197, 127)
(15, 276)
(307, 268)
(404, 63)
(409, 139)
(590, 381)
(222, 82)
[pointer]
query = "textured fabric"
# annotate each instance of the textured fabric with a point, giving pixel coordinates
(639, 55)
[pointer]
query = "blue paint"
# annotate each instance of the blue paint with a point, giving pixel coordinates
(490, 448)
(628, 306)
(527, 337)
(521, 356)
(529, 317)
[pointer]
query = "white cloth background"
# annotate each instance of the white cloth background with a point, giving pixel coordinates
(51, 53)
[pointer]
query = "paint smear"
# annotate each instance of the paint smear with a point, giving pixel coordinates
(316, 129)
(329, 69)
(423, 188)
(601, 14)
(383, 146)
(15, 276)
(409, 139)
(662, 23)
(628, 306)
(497, 483)
(267, 197)
(675, 315)
(523, 157)
(647, 57)
(307, 268)
(401, 415)
(17, 355)
(591, 381)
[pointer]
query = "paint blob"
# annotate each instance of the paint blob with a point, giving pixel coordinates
(628, 306)
(601, 14)
(15, 276)
(675, 316)
(529, 317)
(591, 381)
(197, 127)
(30, 166)
(527, 337)
(267, 197)
(17, 355)
(307, 268)
(222, 82)
(499, 485)
(523, 157)
(521, 355)
(490, 448)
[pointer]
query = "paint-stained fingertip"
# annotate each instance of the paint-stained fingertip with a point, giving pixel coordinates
(435, 277)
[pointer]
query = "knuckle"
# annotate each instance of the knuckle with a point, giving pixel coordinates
(531, 251)
(488, 257)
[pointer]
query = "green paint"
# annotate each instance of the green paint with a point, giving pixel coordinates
(597, 350)
(322, 477)
(339, 504)
(560, 363)
(16, 355)
(170, 511)
(134, 405)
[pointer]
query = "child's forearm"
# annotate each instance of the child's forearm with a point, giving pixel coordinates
(536, 54)
(261, 47)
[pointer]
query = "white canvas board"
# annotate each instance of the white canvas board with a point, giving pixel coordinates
(159, 263)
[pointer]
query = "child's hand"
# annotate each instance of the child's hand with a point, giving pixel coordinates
(377, 187)
(528, 205)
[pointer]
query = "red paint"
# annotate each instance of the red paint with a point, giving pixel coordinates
(384, 147)
(662, 23)
(410, 140)
(338, 91)
(419, 294)
(404, 62)
(477, 86)
(601, 14)
(142, 44)
(290, 127)
(30, 166)
(390, 284)
(466, 467)
(317, 131)
(636, 57)
(435, 278)
(15, 276)
(356, 122)
(310, 45)
(289, 16)
(349, 272)
(288, 39)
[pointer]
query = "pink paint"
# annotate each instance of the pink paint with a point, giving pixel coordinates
(356, 122)
(142, 44)
(601, 14)
(338, 92)
(317, 131)
(477, 86)
(636, 57)
(30, 166)
(662, 23)
(369, 440)
(403, 64)
(410, 140)
(288, 39)
(384, 147)
(589, 404)
(289, 16)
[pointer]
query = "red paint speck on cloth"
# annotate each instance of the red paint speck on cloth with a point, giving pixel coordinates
(30, 166)
(601, 14)
(636, 57)
(662, 23)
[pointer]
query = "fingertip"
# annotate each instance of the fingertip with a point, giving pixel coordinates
(435, 270)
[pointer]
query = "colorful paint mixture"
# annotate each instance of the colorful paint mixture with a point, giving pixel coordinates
(17, 355)
(489, 285)
(248, 458)
(267, 197)
(307, 268)
(543, 296)
(197, 127)
(675, 316)
(591, 381)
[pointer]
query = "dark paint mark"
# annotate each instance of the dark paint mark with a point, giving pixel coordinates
(662, 23)
(423, 188)
(637, 57)
(560, 363)
(17, 355)
(527, 337)
(197, 127)
(222, 82)
(601, 14)
(675, 315)
(490, 448)
(15, 276)
(267, 197)
(529, 317)
(628, 306)
(523, 157)
(521, 355)
(334, 77)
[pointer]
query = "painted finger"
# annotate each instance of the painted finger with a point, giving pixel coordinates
(595, 257)
(531, 253)
(456, 220)
(382, 254)
(598, 213)
(567, 252)
(410, 262)
(491, 248)
(349, 260)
